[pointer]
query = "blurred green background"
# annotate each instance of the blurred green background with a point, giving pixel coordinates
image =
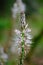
(34, 17)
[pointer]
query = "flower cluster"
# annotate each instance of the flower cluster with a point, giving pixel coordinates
(18, 7)
(3, 56)
(21, 41)
(23, 35)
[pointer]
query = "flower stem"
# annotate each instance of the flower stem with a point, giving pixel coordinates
(22, 53)
(22, 43)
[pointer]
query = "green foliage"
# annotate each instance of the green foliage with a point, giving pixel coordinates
(40, 1)
(5, 25)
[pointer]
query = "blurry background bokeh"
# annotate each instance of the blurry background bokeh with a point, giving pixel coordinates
(34, 17)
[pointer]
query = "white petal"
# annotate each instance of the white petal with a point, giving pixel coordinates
(4, 57)
(29, 37)
(17, 31)
(28, 30)
(18, 40)
(22, 7)
(28, 42)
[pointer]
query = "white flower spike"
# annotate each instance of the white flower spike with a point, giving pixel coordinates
(22, 41)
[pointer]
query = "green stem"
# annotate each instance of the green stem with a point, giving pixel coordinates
(22, 55)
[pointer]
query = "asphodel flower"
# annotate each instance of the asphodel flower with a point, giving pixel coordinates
(22, 35)
(21, 39)
(24, 38)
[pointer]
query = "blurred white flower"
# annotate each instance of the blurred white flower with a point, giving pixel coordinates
(3, 55)
(14, 10)
(18, 7)
(16, 42)
(15, 47)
